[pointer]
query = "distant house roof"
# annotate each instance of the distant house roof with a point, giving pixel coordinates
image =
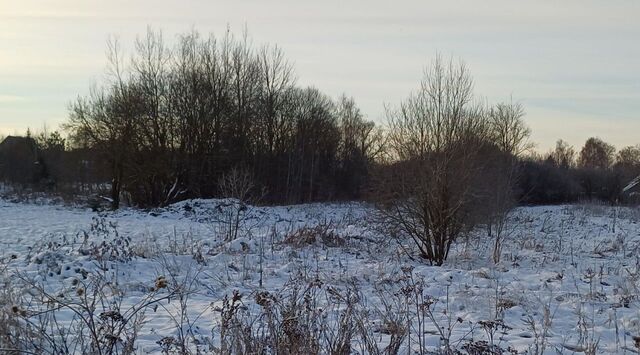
(12, 142)
(19, 147)
(19, 161)
(631, 185)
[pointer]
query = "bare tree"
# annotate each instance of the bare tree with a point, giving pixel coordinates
(563, 155)
(151, 177)
(107, 120)
(510, 134)
(277, 76)
(361, 143)
(596, 154)
(508, 130)
(629, 157)
(436, 136)
(596, 176)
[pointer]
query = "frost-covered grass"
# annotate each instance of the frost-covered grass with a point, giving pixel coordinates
(314, 278)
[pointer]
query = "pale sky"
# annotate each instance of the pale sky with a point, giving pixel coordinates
(575, 65)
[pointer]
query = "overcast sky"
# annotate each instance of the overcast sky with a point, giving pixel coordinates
(575, 65)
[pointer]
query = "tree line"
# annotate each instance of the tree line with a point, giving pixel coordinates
(170, 122)
(219, 117)
(566, 175)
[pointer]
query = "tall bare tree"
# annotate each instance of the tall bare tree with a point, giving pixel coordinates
(436, 135)
(563, 155)
(361, 143)
(508, 129)
(107, 120)
(510, 135)
(628, 157)
(595, 162)
(596, 154)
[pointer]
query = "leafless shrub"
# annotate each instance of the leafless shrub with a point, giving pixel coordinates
(540, 324)
(105, 244)
(322, 234)
(289, 323)
(238, 185)
(181, 286)
(307, 317)
(96, 322)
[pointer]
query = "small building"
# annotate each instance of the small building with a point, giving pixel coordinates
(631, 192)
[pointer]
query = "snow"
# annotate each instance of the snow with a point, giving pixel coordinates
(571, 272)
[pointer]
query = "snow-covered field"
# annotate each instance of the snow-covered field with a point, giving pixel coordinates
(567, 283)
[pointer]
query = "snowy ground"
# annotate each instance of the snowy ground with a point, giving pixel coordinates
(568, 280)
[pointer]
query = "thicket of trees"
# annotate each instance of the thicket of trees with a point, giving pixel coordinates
(596, 172)
(170, 122)
(218, 116)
